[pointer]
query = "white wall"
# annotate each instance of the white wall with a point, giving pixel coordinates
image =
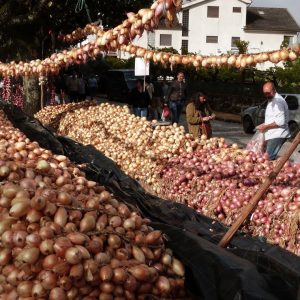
(143, 41)
(176, 38)
(228, 25)
(266, 41)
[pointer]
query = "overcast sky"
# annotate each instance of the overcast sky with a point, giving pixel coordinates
(292, 5)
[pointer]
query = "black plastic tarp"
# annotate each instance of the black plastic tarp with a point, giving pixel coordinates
(249, 269)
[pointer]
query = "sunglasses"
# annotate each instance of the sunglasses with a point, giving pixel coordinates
(267, 93)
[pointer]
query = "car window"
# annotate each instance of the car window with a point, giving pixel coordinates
(116, 75)
(264, 104)
(292, 102)
(129, 75)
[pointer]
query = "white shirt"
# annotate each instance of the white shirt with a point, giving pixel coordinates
(277, 111)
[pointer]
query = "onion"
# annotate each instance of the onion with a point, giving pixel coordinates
(106, 273)
(48, 280)
(88, 223)
(57, 294)
(43, 165)
(50, 261)
(163, 284)
(73, 255)
(5, 256)
(29, 255)
(61, 245)
(24, 289)
(38, 291)
(61, 217)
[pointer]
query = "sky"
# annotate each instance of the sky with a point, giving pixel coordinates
(293, 6)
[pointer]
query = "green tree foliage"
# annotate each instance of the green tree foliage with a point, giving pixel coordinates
(29, 28)
(289, 76)
(242, 46)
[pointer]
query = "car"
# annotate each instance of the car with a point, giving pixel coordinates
(119, 84)
(255, 115)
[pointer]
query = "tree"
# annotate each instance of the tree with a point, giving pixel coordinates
(29, 28)
(242, 46)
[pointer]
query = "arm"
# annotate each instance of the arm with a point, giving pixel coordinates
(169, 92)
(264, 127)
(210, 112)
(279, 119)
(192, 116)
(147, 98)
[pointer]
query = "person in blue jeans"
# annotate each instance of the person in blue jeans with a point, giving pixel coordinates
(275, 127)
(140, 99)
(177, 95)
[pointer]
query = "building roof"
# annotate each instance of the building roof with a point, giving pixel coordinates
(192, 2)
(270, 19)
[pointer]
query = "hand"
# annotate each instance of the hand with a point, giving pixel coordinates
(213, 116)
(262, 128)
(205, 119)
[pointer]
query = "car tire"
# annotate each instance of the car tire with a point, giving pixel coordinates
(248, 125)
(294, 129)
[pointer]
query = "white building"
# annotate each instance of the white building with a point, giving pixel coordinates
(211, 27)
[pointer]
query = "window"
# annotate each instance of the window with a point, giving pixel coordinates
(165, 40)
(287, 40)
(234, 39)
(213, 11)
(184, 46)
(185, 22)
(236, 9)
(211, 39)
(292, 102)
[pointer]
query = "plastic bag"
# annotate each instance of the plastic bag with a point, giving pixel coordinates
(166, 112)
(256, 144)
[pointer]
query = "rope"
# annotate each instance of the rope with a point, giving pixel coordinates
(164, 8)
(79, 7)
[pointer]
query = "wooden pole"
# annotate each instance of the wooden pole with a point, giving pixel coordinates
(252, 204)
(42, 95)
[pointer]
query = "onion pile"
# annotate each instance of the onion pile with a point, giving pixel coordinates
(51, 115)
(139, 149)
(207, 175)
(65, 237)
(128, 140)
(219, 182)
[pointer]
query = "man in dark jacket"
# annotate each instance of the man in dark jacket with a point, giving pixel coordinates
(140, 99)
(177, 95)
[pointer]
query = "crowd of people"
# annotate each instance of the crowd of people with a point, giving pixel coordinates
(74, 87)
(165, 102)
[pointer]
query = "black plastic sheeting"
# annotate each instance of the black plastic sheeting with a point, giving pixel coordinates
(249, 269)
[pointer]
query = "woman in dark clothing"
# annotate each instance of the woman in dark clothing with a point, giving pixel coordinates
(198, 116)
(140, 99)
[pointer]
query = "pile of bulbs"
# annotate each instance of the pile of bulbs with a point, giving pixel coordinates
(65, 237)
(135, 144)
(51, 115)
(220, 182)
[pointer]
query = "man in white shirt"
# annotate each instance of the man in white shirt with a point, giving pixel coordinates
(275, 127)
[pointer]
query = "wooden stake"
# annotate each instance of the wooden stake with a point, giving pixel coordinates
(42, 95)
(252, 204)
